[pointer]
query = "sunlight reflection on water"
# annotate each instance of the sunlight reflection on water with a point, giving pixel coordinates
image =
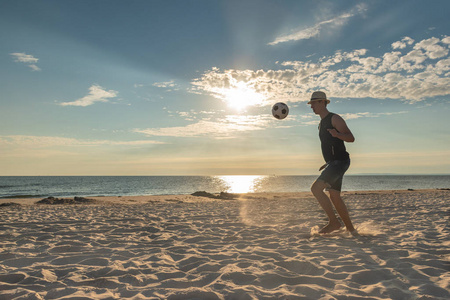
(241, 183)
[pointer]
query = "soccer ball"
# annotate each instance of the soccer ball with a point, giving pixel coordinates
(280, 110)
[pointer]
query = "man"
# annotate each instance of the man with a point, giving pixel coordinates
(333, 132)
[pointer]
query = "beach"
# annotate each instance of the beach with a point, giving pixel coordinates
(245, 246)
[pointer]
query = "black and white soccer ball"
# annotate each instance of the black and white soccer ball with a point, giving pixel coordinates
(280, 110)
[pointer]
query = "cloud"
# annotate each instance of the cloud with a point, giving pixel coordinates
(96, 94)
(403, 43)
(163, 84)
(432, 48)
(238, 90)
(34, 67)
(167, 84)
(28, 59)
(220, 129)
(350, 116)
(51, 141)
(193, 115)
(315, 30)
(415, 72)
(24, 58)
(170, 86)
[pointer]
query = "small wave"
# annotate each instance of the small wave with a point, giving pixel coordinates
(19, 196)
(19, 185)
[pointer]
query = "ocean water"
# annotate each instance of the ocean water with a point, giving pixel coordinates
(67, 186)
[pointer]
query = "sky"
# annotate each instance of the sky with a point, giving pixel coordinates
(186, 87)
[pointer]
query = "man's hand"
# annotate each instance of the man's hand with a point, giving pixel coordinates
(323, 167)
(333, 132)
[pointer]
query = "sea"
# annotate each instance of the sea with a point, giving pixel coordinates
(82, 186)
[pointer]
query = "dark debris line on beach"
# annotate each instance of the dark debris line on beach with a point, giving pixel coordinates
(222, 195)
(56, 201)
(10, 204)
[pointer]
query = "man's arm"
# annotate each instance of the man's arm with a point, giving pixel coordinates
(342, 131)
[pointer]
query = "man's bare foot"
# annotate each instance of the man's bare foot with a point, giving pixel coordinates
(330, 227)
(354, 232)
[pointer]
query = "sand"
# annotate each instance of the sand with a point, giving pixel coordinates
(258, 246)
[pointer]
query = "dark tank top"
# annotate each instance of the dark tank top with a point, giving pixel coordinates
(332, 148)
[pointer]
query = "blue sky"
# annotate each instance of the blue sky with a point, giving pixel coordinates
(186, 87)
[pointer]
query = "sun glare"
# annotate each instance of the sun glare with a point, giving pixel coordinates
(241, 96)
(241, 183)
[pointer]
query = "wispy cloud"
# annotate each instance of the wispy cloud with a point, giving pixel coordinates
(221, 128)
(315, 30)
(411, 71)
(166, 84)
(350, 116)
(96, 94)
(27, 59)
(24, 58)
(52, 141)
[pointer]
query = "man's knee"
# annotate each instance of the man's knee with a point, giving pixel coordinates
(318, 186)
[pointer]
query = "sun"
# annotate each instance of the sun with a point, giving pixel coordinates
(241, 96)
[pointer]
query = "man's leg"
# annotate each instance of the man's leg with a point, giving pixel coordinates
(341, 209)
(318, 191)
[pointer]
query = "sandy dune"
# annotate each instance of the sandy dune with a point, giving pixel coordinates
(260, 246)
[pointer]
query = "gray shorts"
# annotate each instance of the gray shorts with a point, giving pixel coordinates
(334, 172)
